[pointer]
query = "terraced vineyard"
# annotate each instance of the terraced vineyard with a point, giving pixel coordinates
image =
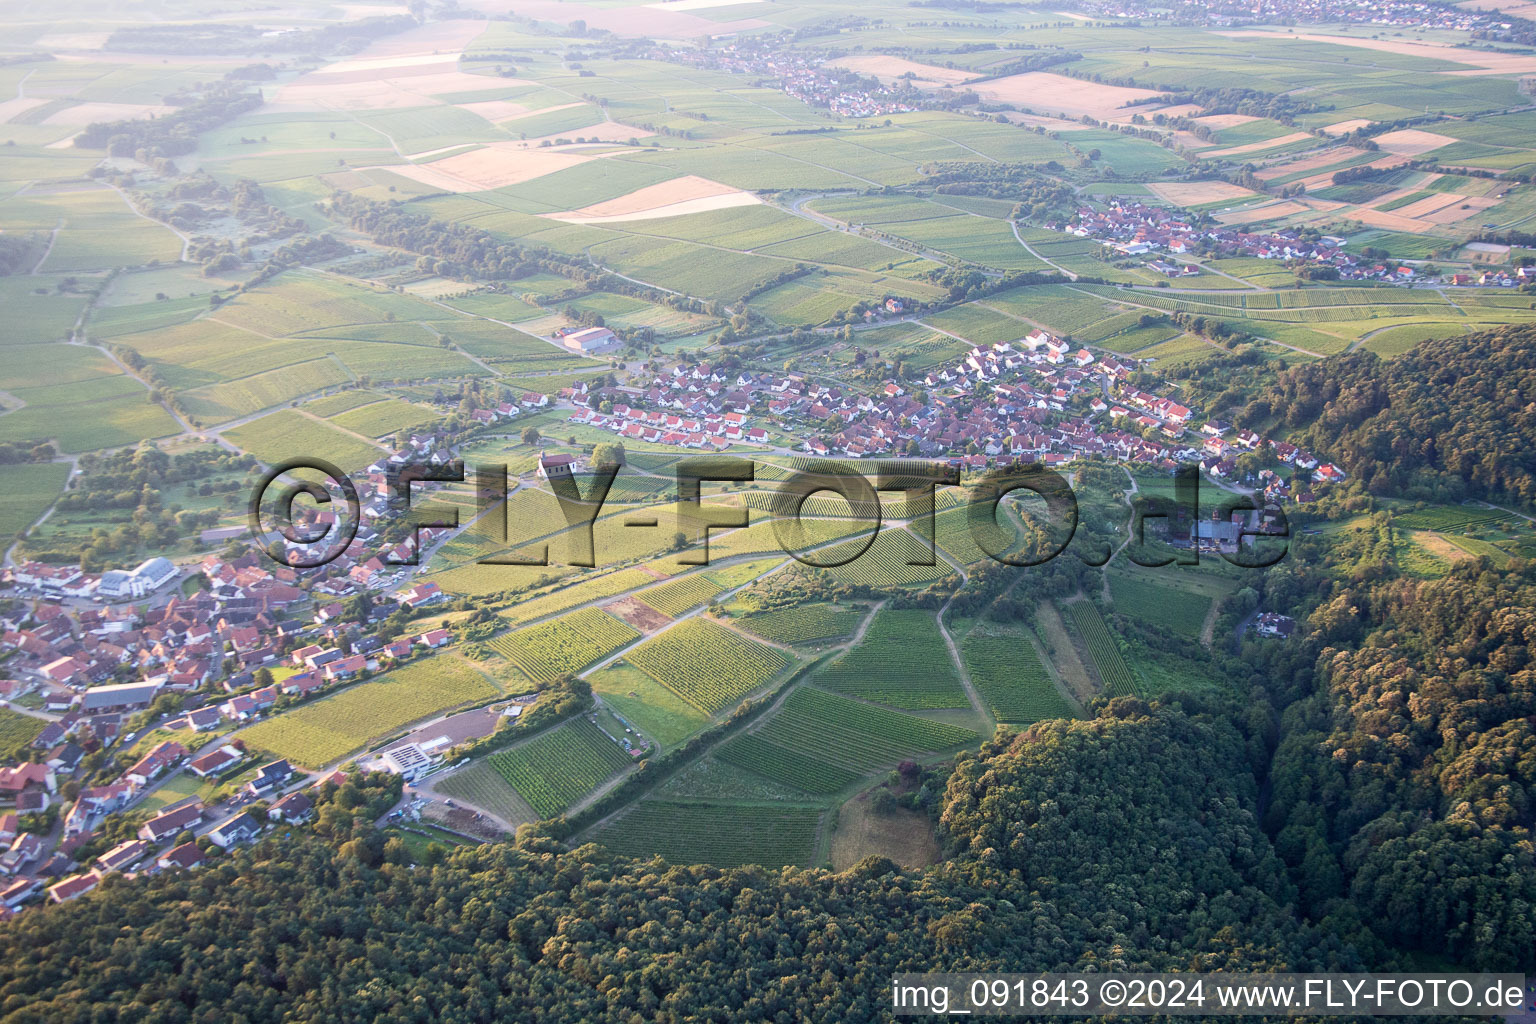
(677, 596)
(722, 834)
(804, 623)
(564, 646)
(783, 765)
(1118, 681)
(706, 664)
(855, 736)
(555, 769)
(1007, 672)
(902, 661)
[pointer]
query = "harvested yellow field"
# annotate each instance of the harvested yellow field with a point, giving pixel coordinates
(1254, 147)
(20, 105)
(495, 111)
(1195, 193)
(698, 5)
(1466, 206)
(1323, 159)
(1430, 204)
(1216, 122)
(1325, 179)
(606, 131)
(493, 166)
(1257, 213)
(71, 41)
(1054, 124)
(1043, 91)
(1478, 61)
(883, 67)
(1515, 10)
(688, 194)
(82, 114)
(1387, 219)
(1412, 142)
(1345, 127)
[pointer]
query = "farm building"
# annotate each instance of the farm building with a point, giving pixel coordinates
(407, 760)
(119, 697)
(593, 339)
(151, 575)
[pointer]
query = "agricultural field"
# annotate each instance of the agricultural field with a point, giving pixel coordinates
(481, 785)
(558, 767)
(1007, 671)
(1103, 649)
(29, 491)
(17, 729)
(1144, 598)
(803, 623)
(706, 664)
(289, 433)
(563, 646)
(726, 835)
(797, 770)
(902, 660)
(326, 729)
(99, 411)
(677, 596)
(821, 727)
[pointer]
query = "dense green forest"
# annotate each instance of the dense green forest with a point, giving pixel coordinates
(1452, 418)
(1130, 841)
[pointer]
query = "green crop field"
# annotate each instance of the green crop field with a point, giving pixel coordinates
(288, 434)
(384, 418)
(803, 623)
(324, 730)
(481, 785)
(677, 596)
(564, 646)
(722, 834)
(1445, 518)
(556, 768)
(1103, 649)
(788, 767)
(1141, 598)
(852, 735)
(1007, 672)
(29, 490)
(17, 729)
(706, 664)
(86, 415)
(902, 661)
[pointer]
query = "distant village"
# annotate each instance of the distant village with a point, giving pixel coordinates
(1136, 229)
(1417, 14)
(1035, 400)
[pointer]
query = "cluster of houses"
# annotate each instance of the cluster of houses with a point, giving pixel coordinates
(96, 667)
(1416, 14)
(800, 73)
(1036, 399)
(697, 408)
(155, 846)
(1136, 229)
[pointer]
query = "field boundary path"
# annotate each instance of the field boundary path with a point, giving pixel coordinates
(1030, 249)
